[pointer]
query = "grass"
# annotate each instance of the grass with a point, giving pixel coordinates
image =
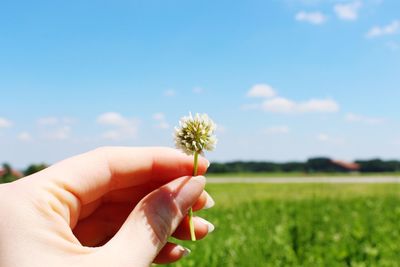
(300, 225)
(298, 174)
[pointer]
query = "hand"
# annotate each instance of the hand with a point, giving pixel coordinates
(109, 207)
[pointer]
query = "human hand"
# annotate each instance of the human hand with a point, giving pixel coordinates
(109, 207)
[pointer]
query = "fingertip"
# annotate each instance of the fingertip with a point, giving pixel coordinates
(203, 165)
(202, 228)
(171, 253)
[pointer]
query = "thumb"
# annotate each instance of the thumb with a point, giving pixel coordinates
(153, 220)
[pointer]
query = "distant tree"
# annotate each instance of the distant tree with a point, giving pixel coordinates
(216, 167)
(33, 168)
(7, 175)
(320, 164)
(378, 165)
(293, 167)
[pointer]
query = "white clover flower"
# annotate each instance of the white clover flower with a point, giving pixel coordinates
(195, 134)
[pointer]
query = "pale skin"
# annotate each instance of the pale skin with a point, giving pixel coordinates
(113, 206)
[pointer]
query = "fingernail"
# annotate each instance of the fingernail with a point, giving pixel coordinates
(209, 202)
(210, 226)
(185, 251)
(187, 192)
(200, 179)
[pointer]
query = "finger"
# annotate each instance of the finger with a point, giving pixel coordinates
(205, 201)
(201, 228)
(93, 174)
(102, 224)
(126, 195)
(153, 220)
(171, 253)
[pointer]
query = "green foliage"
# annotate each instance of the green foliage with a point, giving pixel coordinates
(312, 165)
(300, 225)
(378, 165)
(8, 175)
(33, 168)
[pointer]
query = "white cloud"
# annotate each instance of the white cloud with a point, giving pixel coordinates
(159, 116)
(54, 128)
(347, 11)
(112, 119)
(325, 138)
(279, 105)
(24, 137)
(389, 29)
(113, 135)
(60, 133)
(4, 123)
(48, 121)
(283, 105)
(351, 117)
(261, 90)
(122, 127)
(281, 129)
(198, 90)
(161, 122)
(318, 105)
(169, 92)
(316, 18)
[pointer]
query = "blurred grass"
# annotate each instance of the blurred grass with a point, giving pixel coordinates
(300, 225)
(299, 174)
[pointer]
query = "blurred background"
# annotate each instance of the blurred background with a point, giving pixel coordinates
(298, 88)
(284, 80)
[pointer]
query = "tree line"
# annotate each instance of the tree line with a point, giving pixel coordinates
(9, 174)
(312, 165)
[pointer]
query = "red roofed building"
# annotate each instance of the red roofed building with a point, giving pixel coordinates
(15, 173)
(346, 166)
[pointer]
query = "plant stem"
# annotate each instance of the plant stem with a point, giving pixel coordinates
(191, 224)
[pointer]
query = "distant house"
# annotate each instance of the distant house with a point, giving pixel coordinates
(15, 173)
(344, 166)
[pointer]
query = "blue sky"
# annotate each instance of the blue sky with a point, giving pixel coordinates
(284, 80)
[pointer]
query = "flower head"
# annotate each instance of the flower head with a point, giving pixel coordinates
(195, 134)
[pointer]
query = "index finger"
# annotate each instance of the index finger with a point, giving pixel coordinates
(91, 175)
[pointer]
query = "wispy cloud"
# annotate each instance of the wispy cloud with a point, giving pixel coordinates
(351, 117)
(24, 137)
(274, 103)
(60, 133)
(283, 105)
(326, 138)
(121, 127)
(316, 18)
(5, 123)
(48, 121)
(161, 121)
(347, 11)
(53, 128)
(280, 129)
(261, 90)
(389, 29)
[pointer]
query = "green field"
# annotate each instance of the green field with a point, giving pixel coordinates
(300, 225)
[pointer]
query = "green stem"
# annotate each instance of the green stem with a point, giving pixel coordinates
(196, 160)
(191, 224)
